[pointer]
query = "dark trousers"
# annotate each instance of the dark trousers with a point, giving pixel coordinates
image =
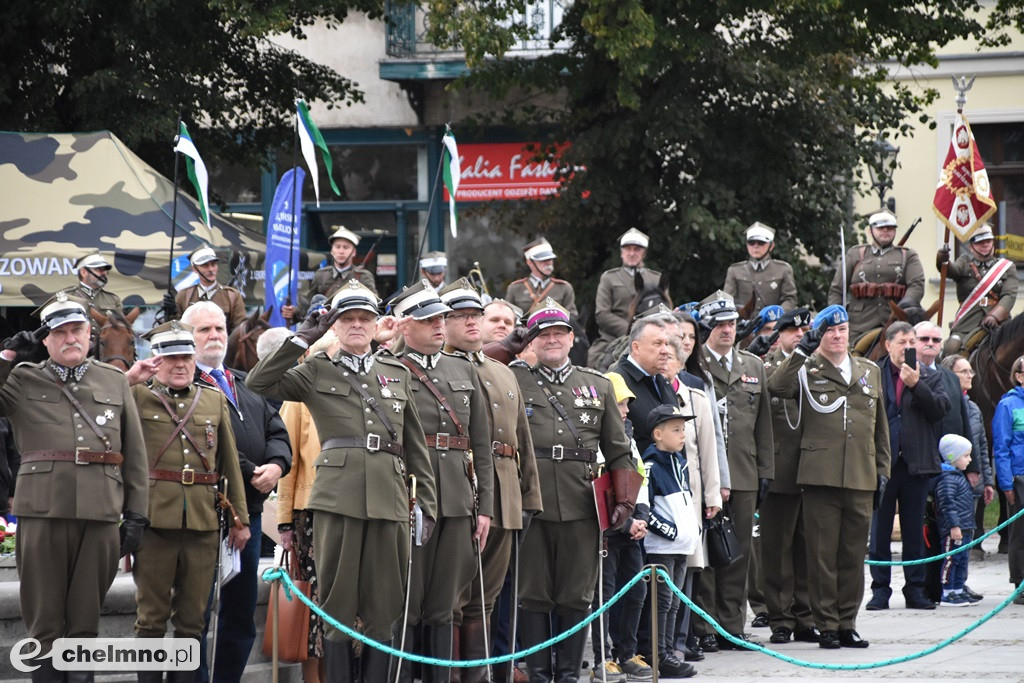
(910, 491)
(784, 562)
(236, 630)
(1015, 546)
(668, 601)
(623, 561)
(723, 591)
(954, 567)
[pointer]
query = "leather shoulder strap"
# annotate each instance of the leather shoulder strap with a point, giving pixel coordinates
(372, 402)
(422, 377)
(78, 406)
(560, 409)
(180, 428)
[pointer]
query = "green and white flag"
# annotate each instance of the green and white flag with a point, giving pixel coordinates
(310, 137)
(452, 172)
(196, 170)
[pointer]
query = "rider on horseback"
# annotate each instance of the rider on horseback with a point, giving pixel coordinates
(986, 287)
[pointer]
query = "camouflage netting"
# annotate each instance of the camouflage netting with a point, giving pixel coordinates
(66, 195)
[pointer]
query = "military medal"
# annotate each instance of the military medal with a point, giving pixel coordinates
(465, 400)
(585, 418)
(101, 420)
(867, 390)
(578, 393)
(108, 414)
(396, 406)
(774, 285)
(383, 382)
(209, 436)
(597, 400)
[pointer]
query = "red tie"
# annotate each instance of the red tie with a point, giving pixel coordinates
(899, 390)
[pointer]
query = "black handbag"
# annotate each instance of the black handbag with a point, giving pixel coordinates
(723, 543)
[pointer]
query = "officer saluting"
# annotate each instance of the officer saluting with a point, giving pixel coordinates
(191, 447)
(83, 464)
(572, 414)
(768, 280)
(205, 263)
(371, 438)
(530, 291)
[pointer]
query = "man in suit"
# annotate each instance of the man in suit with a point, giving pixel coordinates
(743, 402)
(175, 565)
(530, 291)
(915, 401)
(767, 280)
(205, 263)
(264, 455)
(844, 460)
(332, 277)
(616, 290)
(572, 414)
(83, 468)
(371, 439)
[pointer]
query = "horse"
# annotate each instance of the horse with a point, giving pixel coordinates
(647, 297)
(114, 341)
(992, 360)
(241, 353)
(871, 344)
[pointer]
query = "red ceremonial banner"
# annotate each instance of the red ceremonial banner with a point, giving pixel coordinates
(504, 171)
(963, 197)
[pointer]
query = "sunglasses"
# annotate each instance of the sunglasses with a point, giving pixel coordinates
(933, 340)
(751, 243)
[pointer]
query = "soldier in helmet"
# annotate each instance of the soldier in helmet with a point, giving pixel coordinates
(434, 268)
(93, 271)
(986, 287)
(529, 291)
(769, 281)
(205, 262)
(876, 274)
(616, 290)
(329, 279)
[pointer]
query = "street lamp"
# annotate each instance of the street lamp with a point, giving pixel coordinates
(882, 170)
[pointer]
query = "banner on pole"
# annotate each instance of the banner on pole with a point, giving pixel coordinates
(963, 196)
(282, 243)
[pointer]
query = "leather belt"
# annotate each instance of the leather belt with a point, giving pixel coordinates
(503, 450)
(444, 442)
(562, 453)
(371, 443)
(79, 456)
(186, 476)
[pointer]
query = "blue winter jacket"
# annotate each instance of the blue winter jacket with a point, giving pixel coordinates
(1008, 438)
(954, 500)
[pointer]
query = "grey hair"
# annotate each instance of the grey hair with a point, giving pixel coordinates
(661, 321)
(202, 307)
(897, 328)
(271, 340)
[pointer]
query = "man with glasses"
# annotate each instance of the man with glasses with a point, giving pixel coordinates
(769, 281)
(877, 273)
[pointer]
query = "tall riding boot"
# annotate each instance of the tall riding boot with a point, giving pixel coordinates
(437, 643)
(457, 645)
(534, 628)
(375, 664)
(153, 676)
(569, 652)
(46, 673)
(406, 666)
(179, 676)
(338, 660)
(474, 647)
(90, 676)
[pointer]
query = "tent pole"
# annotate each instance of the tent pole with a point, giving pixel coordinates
(174, 210)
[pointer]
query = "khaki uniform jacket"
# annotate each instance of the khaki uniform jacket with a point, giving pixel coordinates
(326, 281)
(519, 293)
(567, 486)
(849, 456)
(615, 291)
(773, 285)
(787, 440)
(899, 265)
(516, 486)
(100, 299)
(701, 461)
(747, 420)
(1004, 291)
(458, 382)
(210, 426)
(294, 488)
(42, 418)
(354, 481)
(228, 298)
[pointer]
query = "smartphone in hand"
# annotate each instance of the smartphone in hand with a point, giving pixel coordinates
(910, 357)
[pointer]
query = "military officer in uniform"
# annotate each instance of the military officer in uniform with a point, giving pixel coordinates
(615, 292)
(453, 413)
(528, 292)
(743, 404)
(205, 262)
(516, 486)
(433, 268)
(83, 467)
(876, 274)
(93, 271)
(329, 279)
(371, 439)
(191, 448)
(767, 280)
(783, 542)
(572, 414)
(844, 455)
(986, 287)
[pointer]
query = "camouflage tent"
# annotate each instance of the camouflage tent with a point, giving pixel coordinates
(66, 195)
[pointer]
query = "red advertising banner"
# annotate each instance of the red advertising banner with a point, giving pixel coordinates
(504, 171)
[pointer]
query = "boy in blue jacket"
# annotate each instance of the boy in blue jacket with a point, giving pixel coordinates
(954, 502)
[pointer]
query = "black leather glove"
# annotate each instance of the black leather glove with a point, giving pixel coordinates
(941, 257)
(132, 527)
(169, 307)
(316, 325)
(746, 328)
(518, 339)
(762, 491)
(915, 313)
(880, 491)
(428, 528)
(762, 344)
(25, 341)
(809, 342)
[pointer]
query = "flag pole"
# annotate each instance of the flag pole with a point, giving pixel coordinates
(174, 209)
(291, 235)
(961, 86)
(430, 206)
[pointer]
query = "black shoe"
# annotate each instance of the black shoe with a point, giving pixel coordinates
(760, 620)
(919, 602)
(850, 638)
(829, 640)
(878, 601)
(975, 597)
(726, 644)
(669, 666)
(807, 635)
(708, 643)
(780, 634)
(693, 654)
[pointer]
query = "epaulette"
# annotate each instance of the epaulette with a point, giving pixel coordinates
(749, 354)
(107, 366)
(519, 363)
(862, 359)
(458, 356)
(592, 371)
(387, 357)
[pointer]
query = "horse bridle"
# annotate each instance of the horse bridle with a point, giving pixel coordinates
(107, 359)
(241, 353)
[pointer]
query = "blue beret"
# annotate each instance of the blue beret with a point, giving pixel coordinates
(769, 314)
(832, 315)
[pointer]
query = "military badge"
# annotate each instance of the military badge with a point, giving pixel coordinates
(209, 436)
(465, 401)
(109, 414)
(748, 379)
(585, 418)
(511, 396)
(529, 411)
(823, 398)
(101, 420)
(396, 406)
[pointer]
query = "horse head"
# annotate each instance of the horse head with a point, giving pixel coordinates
(115, 339)
(241, 351)
(648, 296)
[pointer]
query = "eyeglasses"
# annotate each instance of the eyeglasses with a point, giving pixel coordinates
(930, 340)
(475, 315)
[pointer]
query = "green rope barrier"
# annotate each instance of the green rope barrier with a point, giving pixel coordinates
(942, 556)
(663, 575)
